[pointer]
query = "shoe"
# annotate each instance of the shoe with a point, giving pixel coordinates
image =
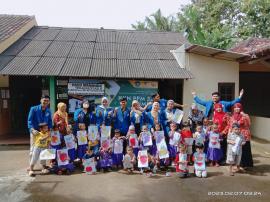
(31, 173)
(168, 174)
(45, 171)
(141, 171)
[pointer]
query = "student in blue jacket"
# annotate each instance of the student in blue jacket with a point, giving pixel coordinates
(38, 114)
(83, 115)
(137, 116)
(122, 117)
(155, 116)
(209, 105)
(104, 113)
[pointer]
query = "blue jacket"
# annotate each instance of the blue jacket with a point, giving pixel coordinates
(79, 117)
(209, 104)
(133, 118)
(37, 116)
(150, 119)
(104, 116)
(122, 120)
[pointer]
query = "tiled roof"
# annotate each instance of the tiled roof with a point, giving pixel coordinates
(252, 45)
(10, 24)
(95, 53)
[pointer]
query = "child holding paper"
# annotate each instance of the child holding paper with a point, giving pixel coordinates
(55, 139)
(129, 160)
(181, 162)
(93, 138)
(145, 139)
(42, 141)
(199, 135)
(155, 140)
(133, 141)
(214, 152)
(82, 140)
(187, 139)
(174, 140)
(199, 159)
(105, 159)
(234, 153)
(70, 144)
(89, 154)
(117, 147)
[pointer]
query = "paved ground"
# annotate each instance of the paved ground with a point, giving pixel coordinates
(15, 185)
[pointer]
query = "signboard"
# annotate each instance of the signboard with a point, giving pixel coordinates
(83, 88)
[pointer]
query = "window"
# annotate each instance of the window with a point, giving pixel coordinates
(226, 91)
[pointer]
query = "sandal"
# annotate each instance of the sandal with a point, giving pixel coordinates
(31, 173)
(45, 171)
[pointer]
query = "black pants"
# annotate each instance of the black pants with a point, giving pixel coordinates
(223, 145)
(246, 159)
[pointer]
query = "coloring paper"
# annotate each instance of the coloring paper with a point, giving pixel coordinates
(92, 133)
(105, 131)
(55, 138)
(133, 141)
(175, 139)
(159, 135)
(214, 141)
(162, 150)
(47, 154)
(199, 161)
(189, 141)
(142, 159)
(69, 140)
(82, 137)
(182, 163)
(147, 139)
(118, 147)
(62, 157)
(89, 166)
(178, 116)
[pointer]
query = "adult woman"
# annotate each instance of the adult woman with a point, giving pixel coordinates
(83, 115)
(60, 118)
(104, 113)
(137, 116)
(239, 117)
(154, 116)
(195, 117)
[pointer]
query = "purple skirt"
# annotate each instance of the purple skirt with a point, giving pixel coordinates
(214, 154)
(72, 154)
(154, 150)
(117, 159)
(105, 163)
(172, 151)
(70, 167)
(81, 150)
(136, 151)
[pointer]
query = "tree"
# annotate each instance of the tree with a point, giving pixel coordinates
(156, 22)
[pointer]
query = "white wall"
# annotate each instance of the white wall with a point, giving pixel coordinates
(208, 72)
(260, 127)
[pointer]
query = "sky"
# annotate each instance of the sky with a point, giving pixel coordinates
(109, 14)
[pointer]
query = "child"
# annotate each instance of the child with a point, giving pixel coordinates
(133, 141)
(181, 162)
(94, 144)
(117, 147)
(42, 141)
(186, 134)
(199, 135)
(82, 148)
(154, 147)
(234, 153)
(214, 152)
(174, 140)
(55, 139)
(143, 146)
(71, 151)
(129, 160)
(199, 159)
(105, 159)
(89, 154)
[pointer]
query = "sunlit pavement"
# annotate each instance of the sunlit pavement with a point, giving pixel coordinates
(15, 185)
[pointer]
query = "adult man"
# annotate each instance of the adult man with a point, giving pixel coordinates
(122, 117)
(162, 103)
(39, 114)
(209, 105)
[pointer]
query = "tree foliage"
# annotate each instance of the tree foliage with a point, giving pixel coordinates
(215, 23)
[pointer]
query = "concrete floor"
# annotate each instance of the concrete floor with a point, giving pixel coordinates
(15, 185)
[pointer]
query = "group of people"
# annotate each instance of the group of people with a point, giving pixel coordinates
(150, 138)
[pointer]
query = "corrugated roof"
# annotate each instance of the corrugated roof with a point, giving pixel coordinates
(95, 53)
(10, 24)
